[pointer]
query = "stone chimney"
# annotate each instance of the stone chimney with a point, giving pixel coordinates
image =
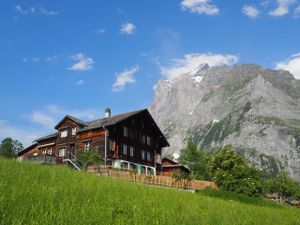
(107, 113)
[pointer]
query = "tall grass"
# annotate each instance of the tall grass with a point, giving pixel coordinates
(35, 194)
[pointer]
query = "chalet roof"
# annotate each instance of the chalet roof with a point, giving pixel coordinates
(76, 120)
(104, 122)
(27, 149)
(46, 137)
(109, 120)
(174, 164)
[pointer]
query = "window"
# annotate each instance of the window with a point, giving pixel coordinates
(64, 133)
(74, 129)
(158, 158)
(49, 151)
(149, 140)
(124, 165)
(125, 131)
(44, 151)
(148, 156)
(124, 149)
(131, 151)
(110, 145)
(143, 155)
(150, 171)
(87, 145)
(143, 169)
(142, 125)
(132, 166)
(143, 139)
(62, 152)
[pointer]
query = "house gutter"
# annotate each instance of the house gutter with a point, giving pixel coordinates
(105, 146)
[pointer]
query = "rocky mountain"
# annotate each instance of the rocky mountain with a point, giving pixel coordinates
(254, 109)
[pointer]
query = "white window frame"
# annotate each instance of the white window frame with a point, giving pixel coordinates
(143, 155)
(87, 145)
(149, 140)
(131, 151)
(49, 151)
(110, 145)
(125, 149)
(148, 156)
(62, 152)
(125, 131)
(74, 130)
(64, 133)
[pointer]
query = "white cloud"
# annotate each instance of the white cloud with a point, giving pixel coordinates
(20, 10)
(251, 11)
(124, 78)
(52, 58)
(297, 12)
(80, 83)
(191, 62)
(200, 7)
(35, 10)
(101, 31)
(50, 115)
(127, 28)
(25, 136)
(42, 118)
(292, 65)
(83, 62)
(36, 59)
(282, 8)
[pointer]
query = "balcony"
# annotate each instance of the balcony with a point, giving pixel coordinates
(42, 159)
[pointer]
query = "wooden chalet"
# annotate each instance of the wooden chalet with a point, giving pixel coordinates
(130, 141)
(169, 167)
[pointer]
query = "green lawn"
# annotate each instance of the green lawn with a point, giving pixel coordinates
(35, 194)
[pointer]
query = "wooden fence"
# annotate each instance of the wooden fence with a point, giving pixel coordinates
(131, 175)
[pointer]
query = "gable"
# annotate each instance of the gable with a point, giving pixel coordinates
(68, 121)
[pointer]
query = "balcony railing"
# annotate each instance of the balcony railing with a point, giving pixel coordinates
(43, 159)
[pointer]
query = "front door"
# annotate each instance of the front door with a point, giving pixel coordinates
(72, 151)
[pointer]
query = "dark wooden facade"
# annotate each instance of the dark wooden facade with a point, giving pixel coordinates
(169, 167)
(131, 140)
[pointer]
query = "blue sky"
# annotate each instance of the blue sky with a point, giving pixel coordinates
(78, 57)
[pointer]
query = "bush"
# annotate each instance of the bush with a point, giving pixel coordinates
(231, 172)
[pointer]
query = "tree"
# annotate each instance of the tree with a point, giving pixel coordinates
(231, 172)
(196, 160)
(284, 185)
(9, 147)
(89, 157)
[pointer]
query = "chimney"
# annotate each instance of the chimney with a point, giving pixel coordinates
(107, 113)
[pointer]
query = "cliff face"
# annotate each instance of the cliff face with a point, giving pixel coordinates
(254, 109)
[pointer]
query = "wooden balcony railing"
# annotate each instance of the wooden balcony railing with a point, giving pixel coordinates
(43, 159)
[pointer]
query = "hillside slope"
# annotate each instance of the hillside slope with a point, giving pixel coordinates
(254, 109)
(35, 194)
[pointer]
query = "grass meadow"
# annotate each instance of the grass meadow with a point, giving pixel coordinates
(39, 194)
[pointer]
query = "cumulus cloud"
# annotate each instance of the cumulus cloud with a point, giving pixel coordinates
(282, 8)
(50, 115)
(25, 136)
(200, 7)
(80, 83)
(292, 65)
(251, 11)
(35, 10)
(43, 119)
(297, 12)
(191, 62)
(83, 62)
(127, 28)
(124, 78)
